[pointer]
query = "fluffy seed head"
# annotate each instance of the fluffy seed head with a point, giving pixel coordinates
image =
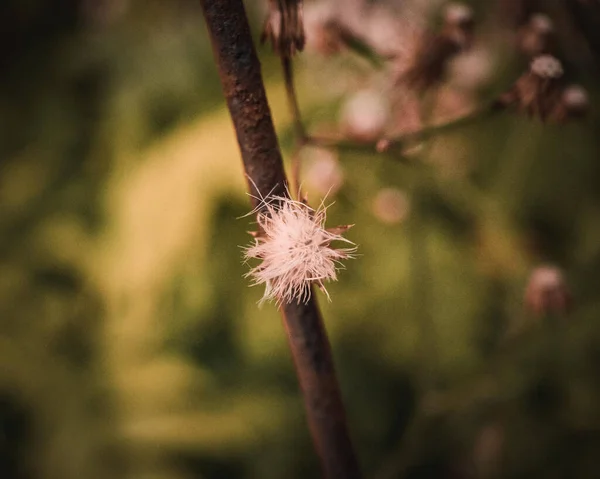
(295, 249)
(546, 66)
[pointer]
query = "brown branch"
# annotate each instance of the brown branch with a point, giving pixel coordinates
(243, 86)
(398, 143)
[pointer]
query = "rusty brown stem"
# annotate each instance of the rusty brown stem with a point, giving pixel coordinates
(241, 78)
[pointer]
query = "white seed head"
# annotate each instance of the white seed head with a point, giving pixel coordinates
(541, 23)
(546, 66)
(295, 249)
(547, 278)
(575, 97)
(547, 291)
(458, 13)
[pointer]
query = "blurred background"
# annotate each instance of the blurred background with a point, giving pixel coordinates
(466, 335)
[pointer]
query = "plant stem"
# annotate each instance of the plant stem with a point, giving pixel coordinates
(244, 90)
(397, 144)
(292, 97)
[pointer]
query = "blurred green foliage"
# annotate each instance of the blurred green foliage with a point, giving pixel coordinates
(130, 344)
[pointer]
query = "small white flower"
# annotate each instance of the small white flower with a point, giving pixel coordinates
(541, 23)
(295, 249)
(546, 66)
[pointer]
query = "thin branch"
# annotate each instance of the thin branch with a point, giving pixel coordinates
(398, 143)
(243, 86)
(288, 76)
(299, 129)
(359, 46)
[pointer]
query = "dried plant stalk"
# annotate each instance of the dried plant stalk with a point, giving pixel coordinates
(243, 86)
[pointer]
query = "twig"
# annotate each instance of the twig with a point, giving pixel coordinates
(356, 44)
(243, 86)
(299, 129)
(398, 143)
(290, 89)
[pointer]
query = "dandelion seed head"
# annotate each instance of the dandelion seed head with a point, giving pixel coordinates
(295, 250)
(546, 66)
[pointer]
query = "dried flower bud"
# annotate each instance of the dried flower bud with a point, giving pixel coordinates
(322, 29)
(458, 14)
(431, 57)
(537, 36)
(364, 116)
(284, 27)
(547, 292)
(459, 23)
(295, 250)
(429, 64)
(576, 98)
(546, 66)
(382, 145)
(541, 23)
(539, 91)
(573, 104)
(390, 206)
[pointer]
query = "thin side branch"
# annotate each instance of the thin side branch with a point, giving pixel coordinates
(398, 143)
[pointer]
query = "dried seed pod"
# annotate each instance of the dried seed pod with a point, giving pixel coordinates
(284, 27)
(537, 92)
(574, 103)
(537, 36)
(459, 15)
(547, 292)
(429, 63)
(322, 29)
